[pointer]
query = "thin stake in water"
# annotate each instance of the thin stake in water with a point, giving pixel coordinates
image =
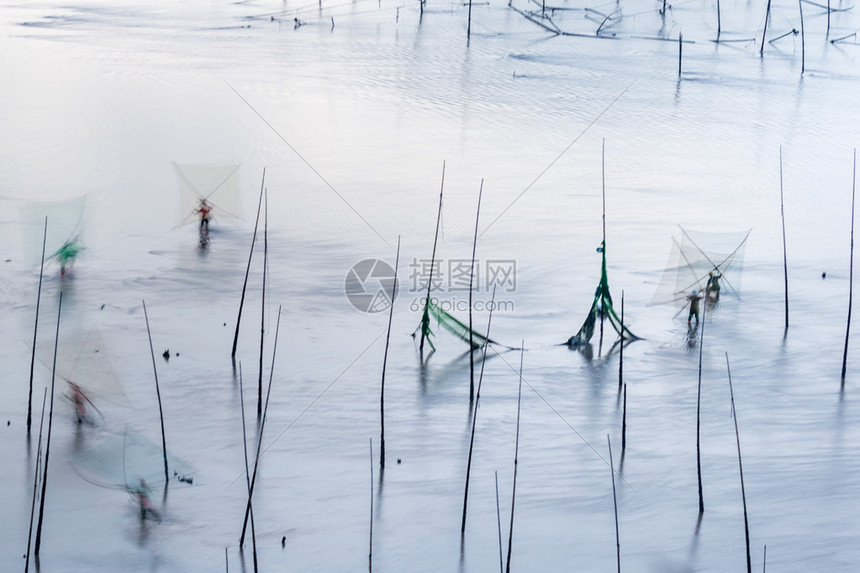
(248, 268)
(740, 466)
(263, 305)
(260, 436)
(499, 523)
(802, 40)
(35, 482)
(36, 328)
(475, 417)
(615, 504)
(624, 425)
(48, 442)
(784, 248)
(247, 470)
(699, 413)
(621, 348)
(158, 393)
(385, 362)
(425, 319)
(603, 194)
(850, 273)
(471, 280)
(370, 550)
(764, 34)
(516, 459)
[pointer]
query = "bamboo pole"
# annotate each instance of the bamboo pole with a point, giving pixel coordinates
(719, 21)
(385, 363)
(621, 348)
(624, 425)
(247, 469)
(471, 283)
(499, 523)
(425, 320)
(850, 273)
(35, 482)
(260, 436)
(603, 245)
(370, 549)
(248, 268)
(158, 393)
(475, 418)
(784, 247)
(263, 305)
(469, 24)
(38, 545)
(516, 459)
(802, 40)
(615, 504)
(680, 52)
(699, 414)
(36, 328)
(740, 466)
(764, 34)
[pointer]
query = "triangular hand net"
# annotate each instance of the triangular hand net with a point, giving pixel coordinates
(601, 307)
(704, 261)
(218, 185)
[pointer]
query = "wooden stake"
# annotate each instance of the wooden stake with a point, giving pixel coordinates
(603, 245)
(370, 550)
(516, 457)
(385, 362)
(263, 305)
(615, 504)
(471, 281)
(719, 21)
(621, 348)
(784, 248)
(35, 482)
(158, 393)
(248, 268)
(247, 469)
(624, 425)
(469, 25)
(802, 40)
(680, 52)
(764, 34)
(48, 442)
(699, 413)
(425, 320)
(35, 329)
(475, 418)
(740, 466)
(499, 523)
(260, 436)
(850, 273)
(764, 561)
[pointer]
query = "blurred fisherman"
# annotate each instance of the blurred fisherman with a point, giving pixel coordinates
(67, 255)
(204, 210)
(694, 298)
(712, 289)
(79, 399)
(142, 492)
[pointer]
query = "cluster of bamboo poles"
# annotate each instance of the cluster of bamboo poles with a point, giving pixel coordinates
(42, 465)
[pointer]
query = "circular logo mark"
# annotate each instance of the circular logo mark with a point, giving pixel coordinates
(368, 285)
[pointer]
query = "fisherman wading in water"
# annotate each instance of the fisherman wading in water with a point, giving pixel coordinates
(694, 298)
(204, 210)
(712, 290)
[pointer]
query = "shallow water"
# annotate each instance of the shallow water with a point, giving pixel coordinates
(352, 123)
